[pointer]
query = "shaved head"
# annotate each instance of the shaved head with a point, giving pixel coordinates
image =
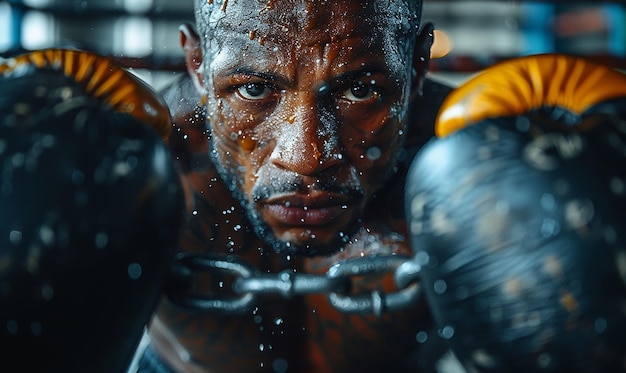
(392, 20)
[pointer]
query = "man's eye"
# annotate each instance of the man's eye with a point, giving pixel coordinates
(361, 92)
(254, 91)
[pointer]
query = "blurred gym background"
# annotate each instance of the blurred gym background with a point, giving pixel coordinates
(470, 34)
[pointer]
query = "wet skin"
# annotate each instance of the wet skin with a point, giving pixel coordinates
(306, 118)
(304, 134)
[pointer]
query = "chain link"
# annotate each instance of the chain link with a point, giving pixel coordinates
(249, 284)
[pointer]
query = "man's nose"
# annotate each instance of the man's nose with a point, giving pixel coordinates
(305, 144)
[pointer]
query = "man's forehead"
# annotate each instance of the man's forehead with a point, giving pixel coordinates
(275, 31)
(270, 18)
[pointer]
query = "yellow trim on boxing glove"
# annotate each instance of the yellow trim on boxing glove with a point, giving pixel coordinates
(520, 85)
(103, 80)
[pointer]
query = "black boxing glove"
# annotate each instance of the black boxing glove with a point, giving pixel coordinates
(90, 212)
(517, 215)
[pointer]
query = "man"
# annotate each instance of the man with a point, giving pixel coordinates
(302, 166)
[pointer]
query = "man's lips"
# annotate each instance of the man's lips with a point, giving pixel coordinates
(307, 210)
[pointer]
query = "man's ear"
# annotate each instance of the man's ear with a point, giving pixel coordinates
(190, 41)
(421, 54)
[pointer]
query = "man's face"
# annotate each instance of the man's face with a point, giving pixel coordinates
(307, 104)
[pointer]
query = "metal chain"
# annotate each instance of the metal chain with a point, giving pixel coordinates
(249, 283)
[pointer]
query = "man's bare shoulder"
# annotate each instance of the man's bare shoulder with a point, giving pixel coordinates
(388, 203)
(423, 112)
(181, 95)
(188, 141)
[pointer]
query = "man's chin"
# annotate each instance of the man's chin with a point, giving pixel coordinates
(304, 244)
(302, 240)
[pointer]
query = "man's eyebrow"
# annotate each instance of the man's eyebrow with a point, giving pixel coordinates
(350, 76)
(244, 70)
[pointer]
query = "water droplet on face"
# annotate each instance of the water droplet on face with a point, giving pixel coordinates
(278, 321)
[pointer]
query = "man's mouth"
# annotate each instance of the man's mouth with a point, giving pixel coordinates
(317, 209)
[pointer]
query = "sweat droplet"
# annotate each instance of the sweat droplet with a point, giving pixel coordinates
(246, 142)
